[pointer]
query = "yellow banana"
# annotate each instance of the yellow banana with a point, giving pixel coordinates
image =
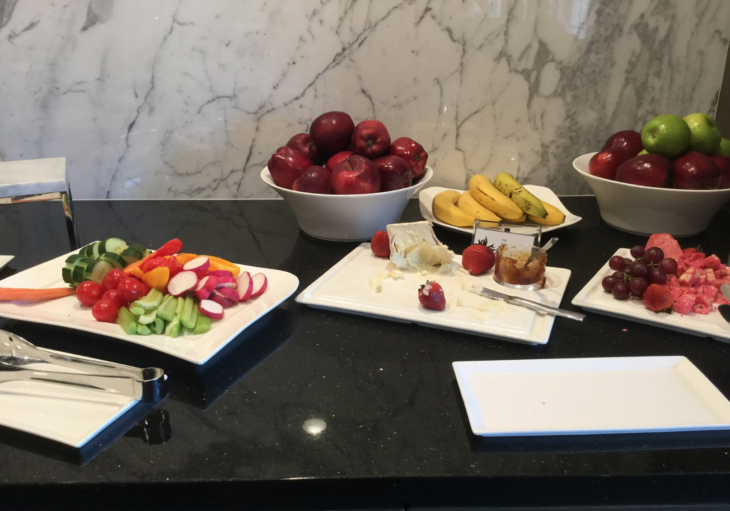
(524, 200)
(468, 204)
(445, 209)
(554, 216)
(484, 192)
(520, 220)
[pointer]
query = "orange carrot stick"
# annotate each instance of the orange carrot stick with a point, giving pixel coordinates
(27, 295)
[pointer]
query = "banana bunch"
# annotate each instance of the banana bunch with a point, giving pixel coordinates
(504, 201)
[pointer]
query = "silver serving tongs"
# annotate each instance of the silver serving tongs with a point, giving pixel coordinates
(146, 384)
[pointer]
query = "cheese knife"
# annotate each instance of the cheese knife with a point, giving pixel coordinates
(529, 304)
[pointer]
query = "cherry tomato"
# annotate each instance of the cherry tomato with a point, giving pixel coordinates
(89, 292)
(115, 296)
(153, 263)
(111, 279)
(132, 289)
(105, 310)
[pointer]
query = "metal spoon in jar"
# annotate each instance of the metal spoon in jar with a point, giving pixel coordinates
(545, 247)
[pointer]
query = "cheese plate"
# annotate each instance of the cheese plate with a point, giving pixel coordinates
(198, 349)
(352, 285)
(425, 202)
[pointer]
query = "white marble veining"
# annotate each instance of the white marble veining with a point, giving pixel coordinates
(188, 98)
(32, 177)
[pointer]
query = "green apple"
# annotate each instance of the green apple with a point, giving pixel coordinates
(705, 135)
(643, 151)
(667, 135)
(724, 147)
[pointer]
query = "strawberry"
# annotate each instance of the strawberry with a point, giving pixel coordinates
(431, 296)
(477, 259)
(658, 298)
(380, 244)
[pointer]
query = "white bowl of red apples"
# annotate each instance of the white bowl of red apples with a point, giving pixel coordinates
(345, 182)
(673, 177)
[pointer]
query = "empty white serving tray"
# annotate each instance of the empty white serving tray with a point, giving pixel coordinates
(348, 287)
(589, 396)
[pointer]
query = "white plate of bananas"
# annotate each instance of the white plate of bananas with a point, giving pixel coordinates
(505, 201)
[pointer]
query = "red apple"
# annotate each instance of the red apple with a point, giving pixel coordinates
(315, 180)
(629, 141)
(412, 152)
(605, 163)
(334, 160)
(696, 171)
(356, 175)
(723, 165)
(370, 139)
(303, 143)
(286, 165)
(332, 132)
(645, 170)
(395, 173)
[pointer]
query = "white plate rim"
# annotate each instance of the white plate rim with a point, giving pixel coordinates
(281, 285)
(4, 260)
(463, 369)
(539, 334)
(634, 311)
(425, 202)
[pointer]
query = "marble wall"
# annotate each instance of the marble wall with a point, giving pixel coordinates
(188, 98)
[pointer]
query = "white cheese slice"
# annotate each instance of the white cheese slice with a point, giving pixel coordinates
(414, 246)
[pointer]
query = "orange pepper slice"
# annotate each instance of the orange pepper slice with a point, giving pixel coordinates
(157, 277)
(184, 258)
(222, 264)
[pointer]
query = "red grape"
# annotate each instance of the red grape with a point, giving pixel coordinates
(617, 263)
(668, 266)
(618, 275)
(628, 261)
(638, 286)
(657, 276)
(639, 269)
(637, 251)
(608, 283)
(654, 255)
(620, 291)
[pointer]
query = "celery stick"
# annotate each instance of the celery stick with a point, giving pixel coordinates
(125, 319)
(143, 329)
(189, 313)
(152, 300)
(173, 328)
(159, 326)
(148, 317)
(180, 305)
(167, 308)
(202, 325)
(136, 309)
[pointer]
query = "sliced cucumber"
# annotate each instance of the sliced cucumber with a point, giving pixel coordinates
(138, 247)
(131, 255)
(77, 272)
(115, 259)
(66, 275)
(97, 270)
(116, 245)
(71, 260)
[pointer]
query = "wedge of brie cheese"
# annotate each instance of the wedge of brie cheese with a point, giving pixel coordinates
(414, 246)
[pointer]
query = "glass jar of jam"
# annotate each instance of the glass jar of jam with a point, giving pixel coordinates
(511, 270)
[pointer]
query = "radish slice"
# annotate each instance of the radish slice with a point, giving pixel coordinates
(206, 286)
(220, 273)
(211, 309)
(245, 286)
(225, 297)
(182, 282)
(230, 282)
(199, 265)
(259, 284)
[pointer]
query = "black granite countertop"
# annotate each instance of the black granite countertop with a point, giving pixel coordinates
(396, 432)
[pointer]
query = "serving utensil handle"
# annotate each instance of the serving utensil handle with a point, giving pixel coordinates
(577, 316)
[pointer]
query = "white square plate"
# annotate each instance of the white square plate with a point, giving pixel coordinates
(425, 201)
(592, 297)
(583, 396)
(70, 415)
(4, 260)
(346, 287)
(198, 349)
